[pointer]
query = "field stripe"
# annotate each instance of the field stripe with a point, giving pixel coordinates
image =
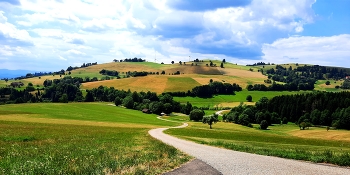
(30, 119)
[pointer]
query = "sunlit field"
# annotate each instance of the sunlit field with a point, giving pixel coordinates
(82, 138)
(287, 141)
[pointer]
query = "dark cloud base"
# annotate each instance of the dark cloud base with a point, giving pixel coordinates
(204, 5)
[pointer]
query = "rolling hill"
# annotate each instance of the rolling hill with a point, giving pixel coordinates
(191, 74)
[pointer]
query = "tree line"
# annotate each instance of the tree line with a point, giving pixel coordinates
(296, 85)
(314, 72)
(135, 59)
(318, 108)
(67, 89)
(70, 68)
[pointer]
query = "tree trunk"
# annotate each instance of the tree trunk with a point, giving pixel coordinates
(210, 127)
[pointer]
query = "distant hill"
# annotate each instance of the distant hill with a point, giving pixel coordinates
(5, 73)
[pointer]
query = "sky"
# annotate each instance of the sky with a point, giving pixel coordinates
(50, 35)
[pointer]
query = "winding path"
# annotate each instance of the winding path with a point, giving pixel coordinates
(234, 162)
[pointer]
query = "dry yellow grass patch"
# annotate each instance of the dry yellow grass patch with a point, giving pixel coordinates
(204, 81)
(188, 69)
(243, 82)
(35, 119)
(243, 73)
(37, 81)
(120, 67)
(322, 133)
(234, 104)
(151, 83)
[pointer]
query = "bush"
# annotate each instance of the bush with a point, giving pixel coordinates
(117, 101)
(197, 115)
(264, 124)
(128, 102)
(285, 120)
(243, 119)
(249, 98)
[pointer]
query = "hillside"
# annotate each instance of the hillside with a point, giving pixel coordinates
(191, 74)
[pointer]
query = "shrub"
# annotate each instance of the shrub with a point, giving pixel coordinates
(243, 119)
(197, 114)
(249, 98)
(117, 101)
(285, 120)
(264, 124)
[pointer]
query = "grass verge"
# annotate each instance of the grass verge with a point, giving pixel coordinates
(277, 141)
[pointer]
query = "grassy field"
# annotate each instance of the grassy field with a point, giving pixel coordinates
(321, 85)
(190, 77)
(315, 144)
(233, 100)
(81, 138)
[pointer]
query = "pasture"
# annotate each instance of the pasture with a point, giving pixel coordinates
(82, 138)
(233, 100)
(287, 141)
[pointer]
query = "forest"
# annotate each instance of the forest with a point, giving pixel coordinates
(309, 109)
(300, 78)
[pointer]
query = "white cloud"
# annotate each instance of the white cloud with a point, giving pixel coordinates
(49, 16)
(75, 52)
(89, 31)
(6, 50)
(52, 33)
(74, 39)
(333, 50)
(61, 58)
(3, 18)
(103, 24)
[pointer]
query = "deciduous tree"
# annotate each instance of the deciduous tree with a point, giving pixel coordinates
(211, 119)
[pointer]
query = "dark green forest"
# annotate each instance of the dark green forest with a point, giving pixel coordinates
(310, 109)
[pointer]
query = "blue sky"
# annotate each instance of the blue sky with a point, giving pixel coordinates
(47, 35)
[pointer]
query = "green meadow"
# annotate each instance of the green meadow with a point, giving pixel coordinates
(287, 141)
(234, 100)
(82, 138)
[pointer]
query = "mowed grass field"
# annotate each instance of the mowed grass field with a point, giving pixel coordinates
(234, 100)
(82, 138)
(287, 141)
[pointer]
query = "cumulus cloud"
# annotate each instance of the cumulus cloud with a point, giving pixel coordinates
(204, 5)
(75, 52)
(10, 35)
(167, 29)
(6, 50)
(103, 24)
(62, 58)
(75, 39)
(3, 18)
(50, 16)
(51, 33)
(333, 50)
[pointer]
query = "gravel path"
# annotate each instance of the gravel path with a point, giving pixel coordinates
(233, 162)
